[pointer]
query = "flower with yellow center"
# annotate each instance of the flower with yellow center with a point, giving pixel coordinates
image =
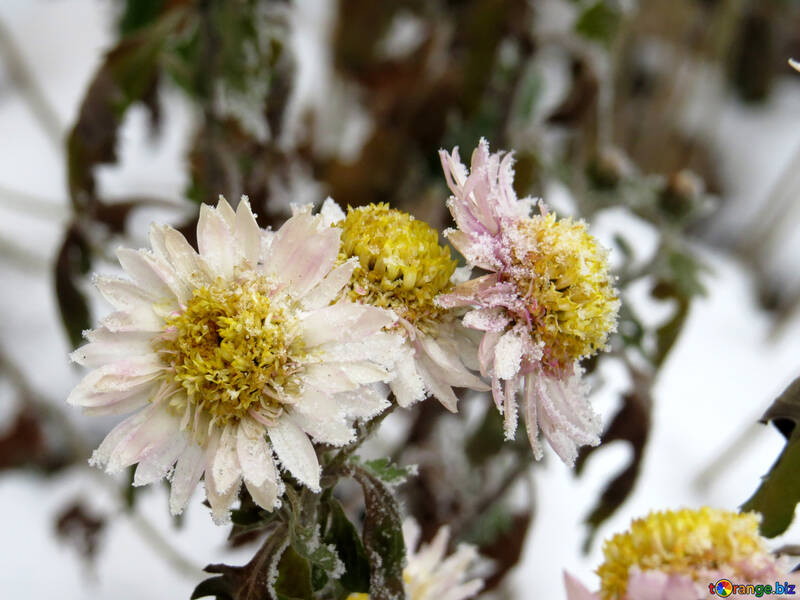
(428, 574)
(547, 302)
(233, 356)
(402, 267)
(677, 553)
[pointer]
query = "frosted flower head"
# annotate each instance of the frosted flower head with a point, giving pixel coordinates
(232, 357)
(429, 574)
(676, 554)
(401, 266)
(547, 302)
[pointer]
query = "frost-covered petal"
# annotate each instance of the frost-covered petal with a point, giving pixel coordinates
(576, 590)
(255, 455)
(487, 319)
(365, 403)
(123, 294)
(117, 435)
(437, 386)
(407, 386)
(331, 212)
(510, 409)
(448, 366)
(248, 233)
(151, 434)
(119, 376)
(188, 471)
(106, 347)
(344, 321)
(188, 265)
(326, 290)
(226, 212)
(335, 432)
(295, 452)
(153, 274)
(508, 354)
(158, 463)
(381, 348)
(302, 252)
(215, 241)
(265, 495)
(225, 468)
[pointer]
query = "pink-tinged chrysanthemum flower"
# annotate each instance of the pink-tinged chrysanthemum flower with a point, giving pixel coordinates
(547, 301)
(402, 267)
(676, 555)
(429, 575)
(231, 355)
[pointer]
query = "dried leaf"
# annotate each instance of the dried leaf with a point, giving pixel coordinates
(72, 263)
(78, 527)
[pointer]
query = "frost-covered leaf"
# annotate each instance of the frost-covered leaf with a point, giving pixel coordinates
(251, 581)
(343, 534)
(388, 472)
(305, 538)
(382, 536)
(779, 492)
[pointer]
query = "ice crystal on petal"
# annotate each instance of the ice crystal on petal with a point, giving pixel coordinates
(218, 351)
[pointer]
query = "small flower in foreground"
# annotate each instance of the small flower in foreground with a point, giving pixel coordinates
(220, 349)
(431, 576)
(547, 302)
(675, 555)
(402, 267)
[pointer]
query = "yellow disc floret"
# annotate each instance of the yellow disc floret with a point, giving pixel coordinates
(234, 346)
(401, 264)
(682, 542)
(562, 273)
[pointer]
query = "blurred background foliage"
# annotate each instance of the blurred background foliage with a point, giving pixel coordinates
(407, 78)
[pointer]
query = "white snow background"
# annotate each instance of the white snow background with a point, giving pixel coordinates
(723, 373)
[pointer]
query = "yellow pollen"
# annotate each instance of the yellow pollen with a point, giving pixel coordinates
(681, 542)
(562, 272)
(233, 347)
(401, 264)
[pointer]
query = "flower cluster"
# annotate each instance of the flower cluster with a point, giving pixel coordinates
(237, 358)
(676, 554)
(547, 302)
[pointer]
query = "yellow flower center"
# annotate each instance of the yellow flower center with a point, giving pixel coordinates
(234, 346)
(562, 272)
(401, 264)
(679, 542)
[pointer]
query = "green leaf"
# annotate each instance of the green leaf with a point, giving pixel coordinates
(294, 577)
(382, 536)
(387, 471)
(779, 492)
(598, 22)
(343, 534)
(305, 537)
(251, 581)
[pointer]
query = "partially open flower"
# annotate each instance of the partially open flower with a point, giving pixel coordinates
(402, 267)
(429, 575)
(676, 555)
(219, 350)
(547, 302)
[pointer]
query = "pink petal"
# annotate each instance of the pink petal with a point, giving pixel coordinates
(576, 590)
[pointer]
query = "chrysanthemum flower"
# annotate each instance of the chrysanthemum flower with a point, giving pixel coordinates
(232, 354)
(429, 575)
(547, 302)
(402, 267)
(675, 555)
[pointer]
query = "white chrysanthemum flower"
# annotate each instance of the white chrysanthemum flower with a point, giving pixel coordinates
(429, 574)
(546, 303)
(402, 267)
(232, 354)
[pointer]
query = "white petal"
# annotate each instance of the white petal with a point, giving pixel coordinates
(531, 417)
(344, 321)
(295, 452)
(221, 503)
(365, 403)
(188, 265)
(508, 354)
(215, 240)
(112, 346)
(335, 432)
(121, 432)
(255, 455)
(437, 386)
(248, 233)
(188, 471)
(266, 495)
(225, 211)
(119, 403)
(303, 251)
(382, 348)
(153, 274)
(226, 469)
(150, 435)
(119, 376)
(331, 212)
(123, 294)
(157, 463)
(448, 366)
(326, 290)
(510, 409)
(329, 378)
(157, 241)
(407, 386)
